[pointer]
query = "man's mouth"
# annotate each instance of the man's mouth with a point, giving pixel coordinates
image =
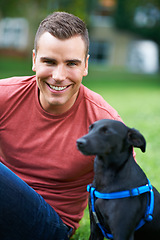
(56, 88)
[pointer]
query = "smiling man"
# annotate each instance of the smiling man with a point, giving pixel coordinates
(43, 177)
(60, 66)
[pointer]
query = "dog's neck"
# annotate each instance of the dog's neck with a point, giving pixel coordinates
(112, 172)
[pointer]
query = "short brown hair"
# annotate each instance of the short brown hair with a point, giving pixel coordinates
(63, 25)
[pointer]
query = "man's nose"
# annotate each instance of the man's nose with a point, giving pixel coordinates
(59, 73)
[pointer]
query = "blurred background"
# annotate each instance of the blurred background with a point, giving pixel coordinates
(123, 34)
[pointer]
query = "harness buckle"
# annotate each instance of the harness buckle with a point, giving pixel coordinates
(95, 217)
(89, 188)
(131, 192)
(134, 192)
(150, 187)
(148, 218)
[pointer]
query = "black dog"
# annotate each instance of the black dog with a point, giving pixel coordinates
(116, 171)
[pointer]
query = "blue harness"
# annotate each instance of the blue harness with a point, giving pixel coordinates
(123, 194)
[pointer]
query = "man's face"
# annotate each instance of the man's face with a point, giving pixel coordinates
(60, 66)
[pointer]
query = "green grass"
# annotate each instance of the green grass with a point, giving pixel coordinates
(15, 67)
(137, 99)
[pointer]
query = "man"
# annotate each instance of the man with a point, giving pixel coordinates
(43, 177)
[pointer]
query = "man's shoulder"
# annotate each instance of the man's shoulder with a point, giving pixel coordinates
(94, 98)
(17, 80)
(13, 91)
(15, 87)
(97, 104)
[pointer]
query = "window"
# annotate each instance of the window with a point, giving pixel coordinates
(13, 33)
(99, 51)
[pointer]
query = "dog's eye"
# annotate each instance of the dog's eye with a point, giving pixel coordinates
(90, 127)
(104, 129)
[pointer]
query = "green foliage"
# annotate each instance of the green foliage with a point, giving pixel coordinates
(36, 10)
(124, 18)
(76, 7)
(20, 8)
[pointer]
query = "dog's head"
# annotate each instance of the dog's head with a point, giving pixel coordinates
(110, 136)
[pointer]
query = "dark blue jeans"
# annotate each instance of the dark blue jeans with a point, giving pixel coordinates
(24, 214)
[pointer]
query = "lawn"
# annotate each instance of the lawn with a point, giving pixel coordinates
(137, 99)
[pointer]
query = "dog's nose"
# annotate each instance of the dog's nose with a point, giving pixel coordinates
(81, 142)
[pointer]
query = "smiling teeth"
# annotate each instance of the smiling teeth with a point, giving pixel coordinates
(57, 88)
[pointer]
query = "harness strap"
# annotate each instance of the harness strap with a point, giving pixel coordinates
(149, 211)
(123, 194)
(103, 230)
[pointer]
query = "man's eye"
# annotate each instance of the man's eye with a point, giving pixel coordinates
(49, 62)
(71, 64)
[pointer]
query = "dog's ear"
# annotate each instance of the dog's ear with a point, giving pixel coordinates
(136, 139)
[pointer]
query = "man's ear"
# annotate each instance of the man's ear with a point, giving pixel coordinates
(33, 61)
(86, 67)
(136, 139)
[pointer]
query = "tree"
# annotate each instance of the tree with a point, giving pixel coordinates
(35, 11)
(39, 8)
(141, 17)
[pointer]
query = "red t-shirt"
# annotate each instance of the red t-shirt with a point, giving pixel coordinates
(41, 147)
